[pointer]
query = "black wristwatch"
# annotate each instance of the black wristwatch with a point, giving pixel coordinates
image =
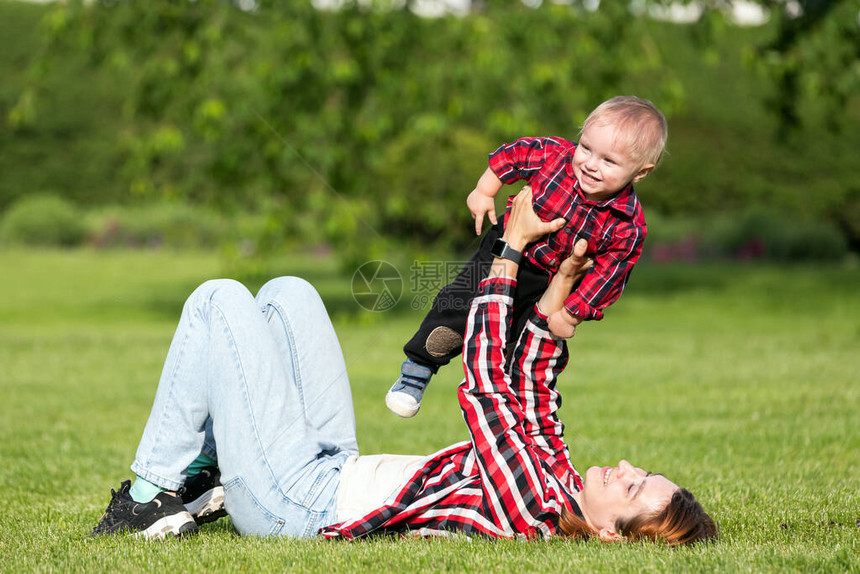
(505, 251)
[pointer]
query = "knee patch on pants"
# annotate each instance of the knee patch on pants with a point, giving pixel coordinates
(443, 340)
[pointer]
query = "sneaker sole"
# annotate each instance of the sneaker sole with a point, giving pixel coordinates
(208, 507)
(397, 406)
(176, 525)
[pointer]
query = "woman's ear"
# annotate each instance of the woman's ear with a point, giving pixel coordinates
(609, 535)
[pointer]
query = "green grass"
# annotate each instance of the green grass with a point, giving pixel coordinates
(741, 383)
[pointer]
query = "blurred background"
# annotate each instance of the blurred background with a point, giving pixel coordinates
(356, 129)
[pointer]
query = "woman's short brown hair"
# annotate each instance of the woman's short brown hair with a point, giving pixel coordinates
(682, 521)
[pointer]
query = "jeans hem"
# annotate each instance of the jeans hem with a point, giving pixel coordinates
(155, 479)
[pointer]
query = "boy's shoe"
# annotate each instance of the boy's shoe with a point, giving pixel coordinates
(404, 396)
(203, 496)
(164, 516)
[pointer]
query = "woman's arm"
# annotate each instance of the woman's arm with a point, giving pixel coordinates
(513, 479)
(538, 359)
(519, 495)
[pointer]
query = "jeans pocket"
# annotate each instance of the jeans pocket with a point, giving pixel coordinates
(248, 514)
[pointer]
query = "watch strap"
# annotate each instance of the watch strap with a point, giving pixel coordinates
(505, 251)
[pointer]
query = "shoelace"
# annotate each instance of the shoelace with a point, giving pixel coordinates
(407, 382)
(108, 518)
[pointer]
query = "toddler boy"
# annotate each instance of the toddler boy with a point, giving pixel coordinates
(588, 184)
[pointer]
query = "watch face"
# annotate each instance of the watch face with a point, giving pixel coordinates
(498, 248)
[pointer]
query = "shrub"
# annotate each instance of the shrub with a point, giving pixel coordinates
(753, 234)
(172, 225)
(769, 235)
(43, 220)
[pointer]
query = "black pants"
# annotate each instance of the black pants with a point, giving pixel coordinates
(440, 336)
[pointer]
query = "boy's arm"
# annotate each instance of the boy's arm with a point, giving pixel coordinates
(481, 201)
(603, 286)
(510, 162)
(524, 158)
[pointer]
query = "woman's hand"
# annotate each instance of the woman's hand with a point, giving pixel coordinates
(562, 323)
(524, 226)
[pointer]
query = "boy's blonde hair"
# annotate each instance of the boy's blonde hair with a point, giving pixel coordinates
(638, 123)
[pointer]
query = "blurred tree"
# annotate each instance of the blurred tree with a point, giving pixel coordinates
(348, 120)
(815, 56)
(365, 123)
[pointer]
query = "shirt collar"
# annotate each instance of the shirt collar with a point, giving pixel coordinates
(574, 507)
(623, 202)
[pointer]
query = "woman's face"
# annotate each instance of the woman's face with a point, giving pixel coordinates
(613, 493)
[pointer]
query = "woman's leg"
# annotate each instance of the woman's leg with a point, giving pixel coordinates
(279, 476)
(309, 347)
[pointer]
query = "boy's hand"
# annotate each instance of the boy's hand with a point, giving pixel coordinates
(563, 324)
(560, 322)
(480, 205)
(569, 272)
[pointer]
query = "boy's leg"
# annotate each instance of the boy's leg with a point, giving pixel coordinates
(440, 336)
(224, 362)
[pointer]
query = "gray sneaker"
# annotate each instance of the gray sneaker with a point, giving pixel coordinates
(404, 396)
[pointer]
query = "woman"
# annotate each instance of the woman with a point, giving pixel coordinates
(264, 380)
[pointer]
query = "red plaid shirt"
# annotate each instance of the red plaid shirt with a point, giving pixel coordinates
(615, 228)
(514, 477)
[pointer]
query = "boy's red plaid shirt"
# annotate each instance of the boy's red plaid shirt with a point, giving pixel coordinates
(615, 228)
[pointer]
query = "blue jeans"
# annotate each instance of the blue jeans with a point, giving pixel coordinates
(260, 385)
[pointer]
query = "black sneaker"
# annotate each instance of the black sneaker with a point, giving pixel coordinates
(203, 496)
(163, 516)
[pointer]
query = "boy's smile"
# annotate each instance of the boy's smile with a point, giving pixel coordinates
(602, 162)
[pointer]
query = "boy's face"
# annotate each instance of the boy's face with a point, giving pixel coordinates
(603, 165)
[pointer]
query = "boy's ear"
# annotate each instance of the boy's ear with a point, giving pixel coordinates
(643, 171)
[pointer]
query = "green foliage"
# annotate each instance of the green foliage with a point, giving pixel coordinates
(313, 106)
(66, 137)
(365, 127)
(765, 234)
(751, 234)
(48, 220)
(813, 59)
(426, 172)
(174, 225)
(43, 220)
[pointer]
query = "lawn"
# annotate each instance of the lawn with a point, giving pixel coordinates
(741, 383)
